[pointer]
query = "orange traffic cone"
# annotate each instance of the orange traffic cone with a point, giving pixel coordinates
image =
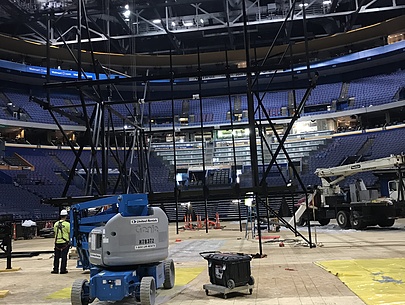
(217, 224)
(14, 231)
(186, 224)
(199, 223)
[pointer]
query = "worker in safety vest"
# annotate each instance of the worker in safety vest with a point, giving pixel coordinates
(62, 234)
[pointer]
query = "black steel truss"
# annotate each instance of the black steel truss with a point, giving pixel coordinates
(101, 136)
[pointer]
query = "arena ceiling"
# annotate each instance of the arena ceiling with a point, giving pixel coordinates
(182, 27)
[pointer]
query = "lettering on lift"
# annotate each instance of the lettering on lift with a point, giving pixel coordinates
(144, 220)
(147, 229)
(146, 241)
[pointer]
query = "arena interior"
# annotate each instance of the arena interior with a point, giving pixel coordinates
(222, 114)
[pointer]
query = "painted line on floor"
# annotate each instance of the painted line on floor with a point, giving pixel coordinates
(11, 270)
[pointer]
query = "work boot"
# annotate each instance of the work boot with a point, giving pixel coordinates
(54, 272)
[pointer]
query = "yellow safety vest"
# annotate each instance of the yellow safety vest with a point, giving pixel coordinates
(62, 232)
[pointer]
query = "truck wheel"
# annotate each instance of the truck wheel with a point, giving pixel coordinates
(356, 222)
(80, 294)
(169, 274)
(301, 222)
(324, 221)
(385, 223)
(343, 219)
(147, 291)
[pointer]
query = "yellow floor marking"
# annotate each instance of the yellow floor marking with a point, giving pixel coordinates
(186, 275)
(61, 294)
(11, 270)
(375, 281)
(183, 277)
(3, 293)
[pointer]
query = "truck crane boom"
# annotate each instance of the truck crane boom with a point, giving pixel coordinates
(344, 171)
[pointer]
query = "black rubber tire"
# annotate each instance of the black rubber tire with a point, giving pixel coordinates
(169, 273)
(301, 222)
(251, 280)
(230, 284)
(324, 221)
(80, 292)
(385, 223)
(147, 291)
(355, 220)
(343, 219)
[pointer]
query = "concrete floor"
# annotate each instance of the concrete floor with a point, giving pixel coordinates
(287, 275)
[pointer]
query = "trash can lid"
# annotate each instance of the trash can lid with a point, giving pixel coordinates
(229, 257)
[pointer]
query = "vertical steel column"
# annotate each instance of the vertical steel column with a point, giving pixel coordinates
(104, 150)
(205, 189)
(79, 39)
(401, 187)
(176, 188)
(252, 130)
(48, 55)
(228, 76)
(304, 20)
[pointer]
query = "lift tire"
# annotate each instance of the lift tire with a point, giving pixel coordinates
(385, 223)
(343, 219)
(356, 222)
(147, 291)
(324, 221)
(169, 273)
(251, 280)
(80, 294)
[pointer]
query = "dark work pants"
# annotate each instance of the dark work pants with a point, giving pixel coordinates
(61, 252)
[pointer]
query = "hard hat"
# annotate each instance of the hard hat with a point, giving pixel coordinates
(63, 213)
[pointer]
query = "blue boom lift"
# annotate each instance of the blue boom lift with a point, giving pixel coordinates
(124, 243)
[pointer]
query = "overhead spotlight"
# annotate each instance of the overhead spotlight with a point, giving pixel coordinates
(305, 5)
(327, 2)
(127, 13)
(173, 24)
(126, 6)
(156, 21)
(201, 21)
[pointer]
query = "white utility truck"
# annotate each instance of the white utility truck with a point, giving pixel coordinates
(357, 207)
